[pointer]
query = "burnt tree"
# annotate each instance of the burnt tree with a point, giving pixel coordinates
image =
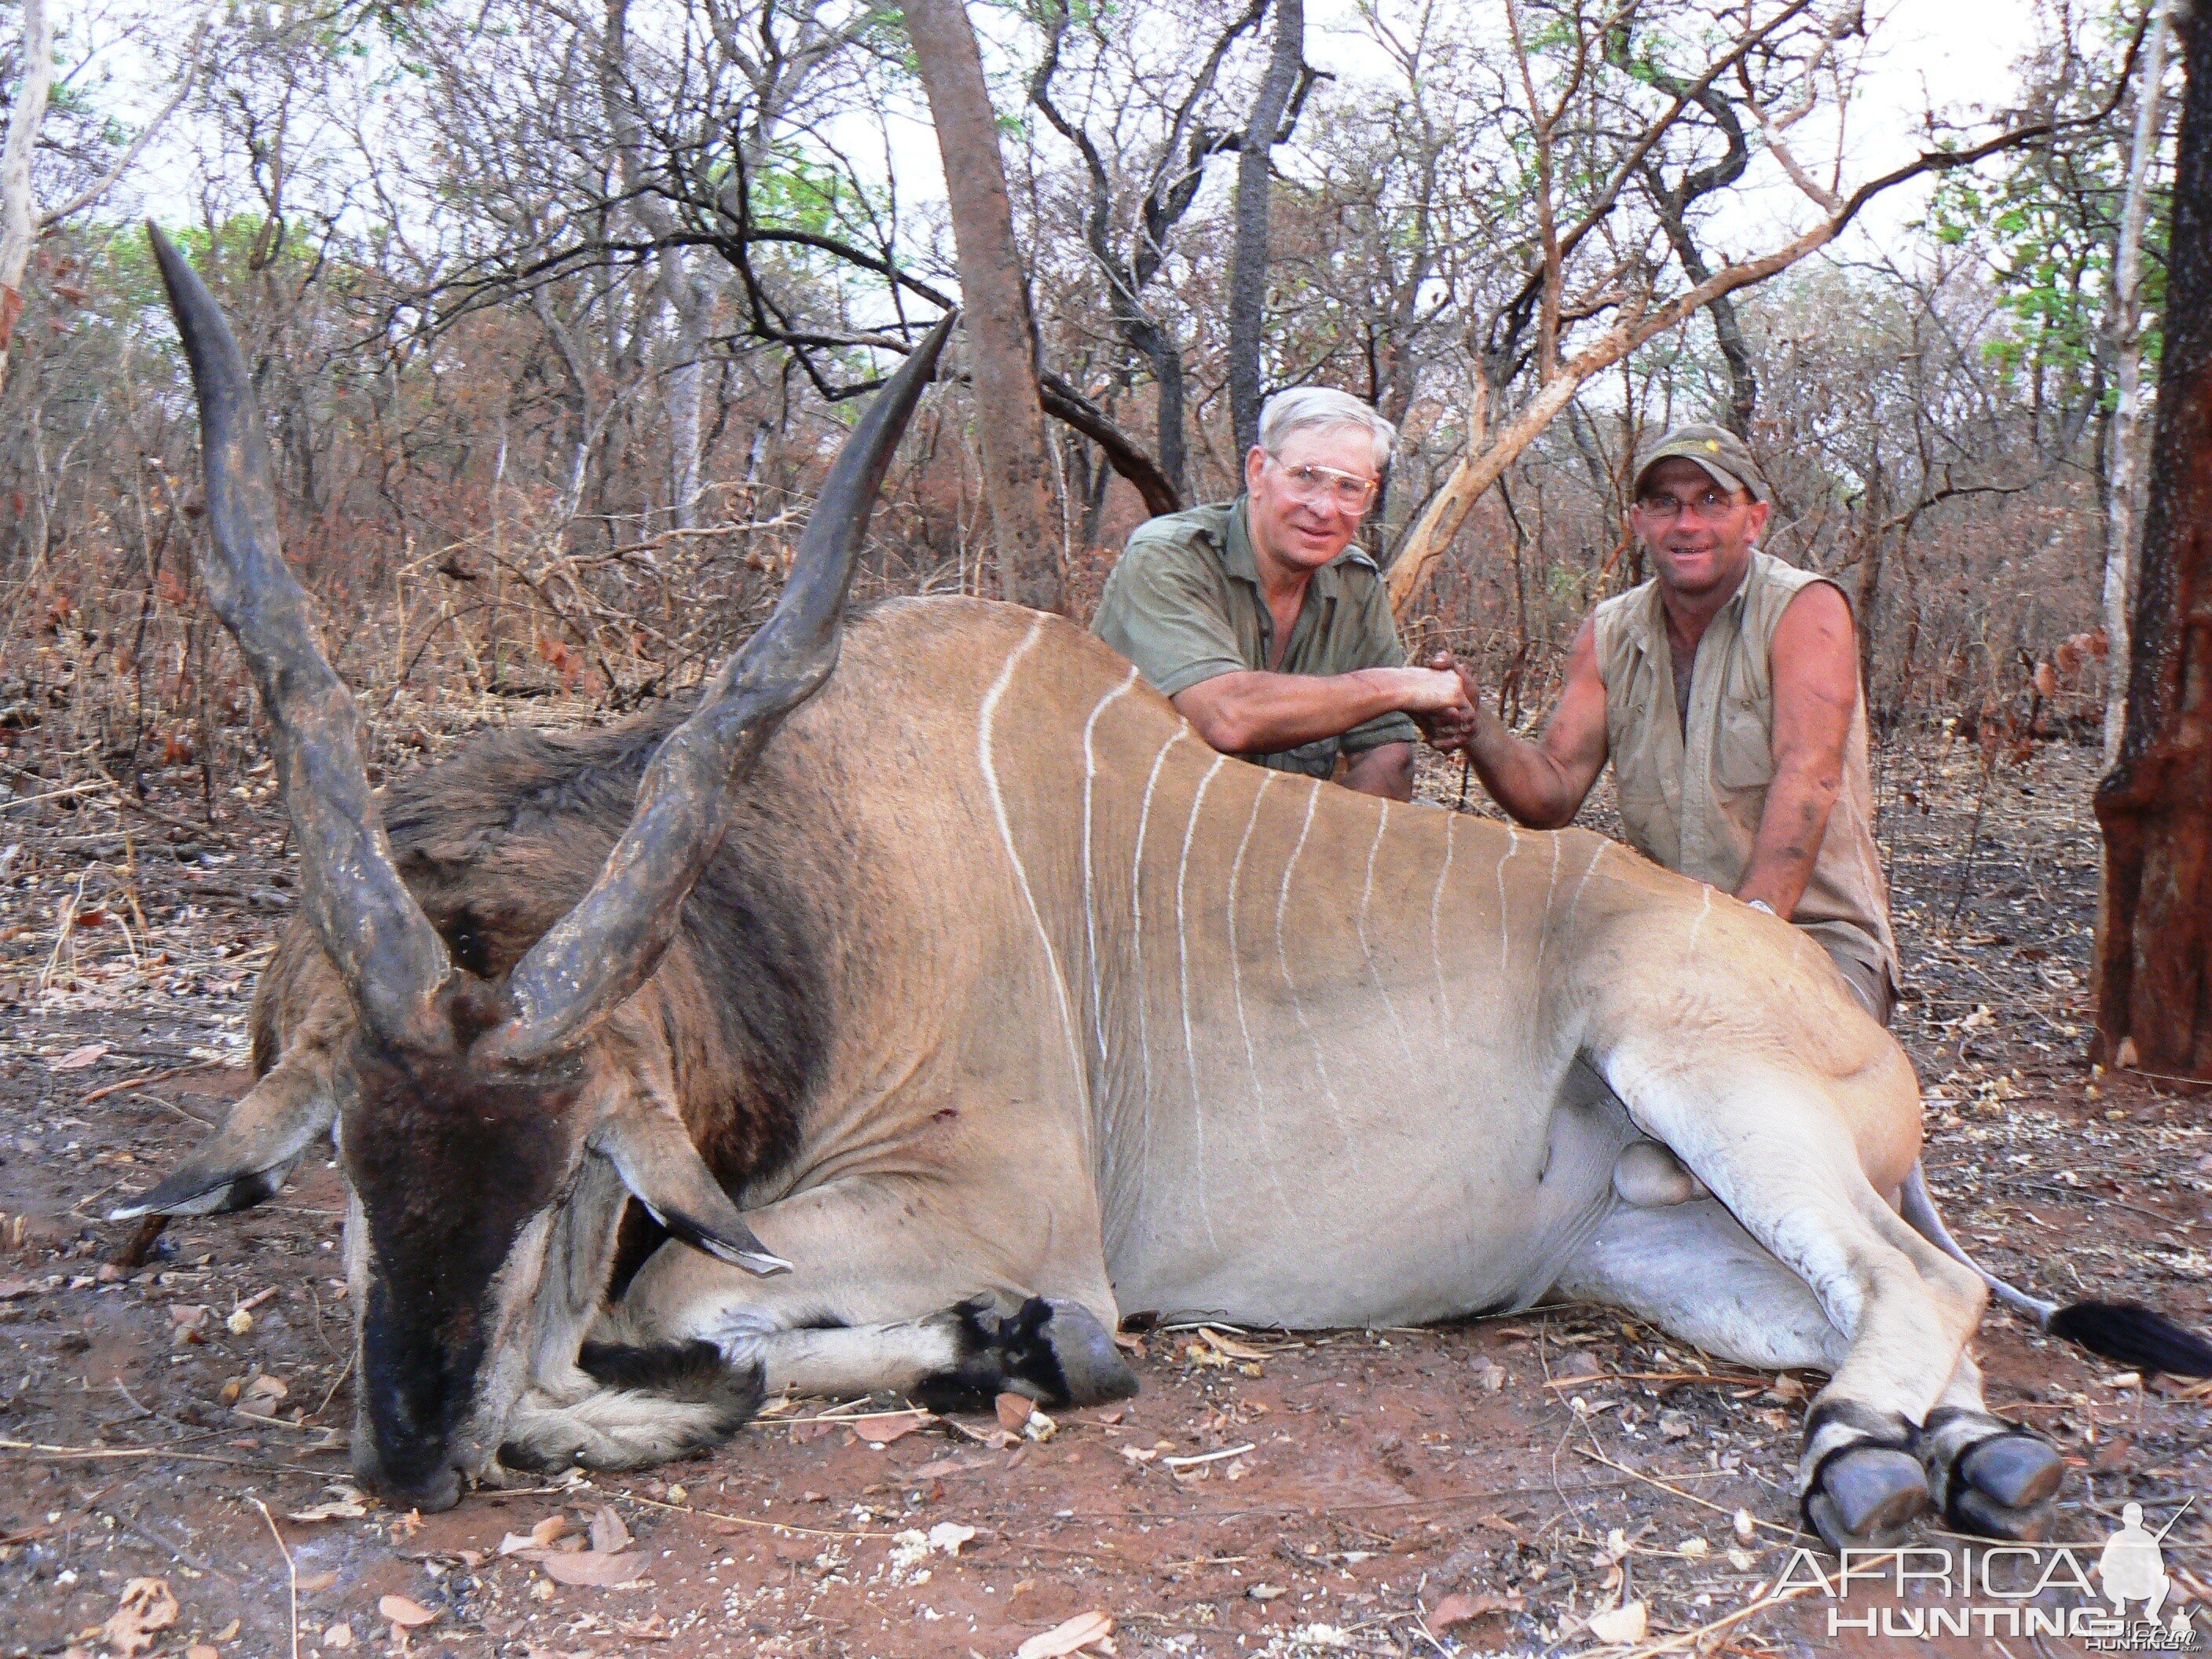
(2154, 919)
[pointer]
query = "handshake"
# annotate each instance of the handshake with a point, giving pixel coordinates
(1444, 701)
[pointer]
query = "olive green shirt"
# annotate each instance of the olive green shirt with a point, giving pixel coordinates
(1184, 603)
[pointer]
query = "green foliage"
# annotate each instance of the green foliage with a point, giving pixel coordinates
(2048, 219)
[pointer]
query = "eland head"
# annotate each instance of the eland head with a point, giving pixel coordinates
(463, 1100)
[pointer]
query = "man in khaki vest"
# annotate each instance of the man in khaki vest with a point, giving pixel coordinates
(1725, 690)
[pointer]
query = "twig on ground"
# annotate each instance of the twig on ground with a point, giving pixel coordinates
(291, 1570)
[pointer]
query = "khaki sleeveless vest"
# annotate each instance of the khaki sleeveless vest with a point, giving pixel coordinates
(1692, 793)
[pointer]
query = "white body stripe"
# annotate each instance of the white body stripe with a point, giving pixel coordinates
(985, 727)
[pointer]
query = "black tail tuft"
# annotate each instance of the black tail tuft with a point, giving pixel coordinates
(2131, 1335)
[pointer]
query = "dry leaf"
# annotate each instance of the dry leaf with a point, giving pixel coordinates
(404, 1526)
(12, 1288)
(203, 1650)
(1625, 1622)
(77, 1060)
(1077, 1634)
(516, 1543)
(592, 1570)
(947, 1536)
(936, 1468)
(1014, 1410)
(548, 1529)
(1223, 1345)
(312, 1581)
(654, 1629)
(146, 1607)
(339, 1637)
(1459, 1609)
(405, 1612)
(609, 1535)
(337, 1508)
(880, 1431)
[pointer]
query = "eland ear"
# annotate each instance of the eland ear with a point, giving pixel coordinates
(245, 1160)
(663, 1171)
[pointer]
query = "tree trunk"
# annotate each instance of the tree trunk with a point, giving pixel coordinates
(17, 222)
(693, 297)
(2123, 453)
(1001, 343)
(1247, 265)
(2154, 919)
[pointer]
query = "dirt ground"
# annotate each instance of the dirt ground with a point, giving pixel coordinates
(1492, 1486)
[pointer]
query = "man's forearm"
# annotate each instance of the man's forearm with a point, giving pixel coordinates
(1791, 827)
(1252, 713)
(1519, 776)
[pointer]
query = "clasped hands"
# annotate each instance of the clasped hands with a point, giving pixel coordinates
(1447, 703)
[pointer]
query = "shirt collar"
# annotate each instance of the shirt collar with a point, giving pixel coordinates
(1652, 636)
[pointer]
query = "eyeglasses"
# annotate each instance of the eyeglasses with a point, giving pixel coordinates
(1710, 504)
(1325, 486)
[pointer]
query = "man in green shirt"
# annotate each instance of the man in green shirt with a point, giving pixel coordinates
(1270, 632)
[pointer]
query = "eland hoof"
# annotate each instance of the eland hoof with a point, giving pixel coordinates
(1867, 1497)
(2012, 1471)
(2028, 1524)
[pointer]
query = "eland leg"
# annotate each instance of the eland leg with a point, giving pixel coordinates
(611, 1405)
(1781, 1150)
(1692, 1270)
(890, 1295)
(1987, 1475)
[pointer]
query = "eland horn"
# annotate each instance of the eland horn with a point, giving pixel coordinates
(601, 951)
(369, 925)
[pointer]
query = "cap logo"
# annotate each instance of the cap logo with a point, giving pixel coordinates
(1714, 445)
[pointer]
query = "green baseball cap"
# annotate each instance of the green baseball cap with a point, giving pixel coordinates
(1719, 451)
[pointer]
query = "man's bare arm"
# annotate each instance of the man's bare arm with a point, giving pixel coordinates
(1253, 713)
(1542, 784)
(1816, 687)
(1386, 770)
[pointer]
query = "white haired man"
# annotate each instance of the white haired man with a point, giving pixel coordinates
(1269, 630)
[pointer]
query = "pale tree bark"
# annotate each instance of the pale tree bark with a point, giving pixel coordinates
(1001, 340)
(17, 221)
(2154, 968)
(693, 297)
(2125, 435)
(1247, 265)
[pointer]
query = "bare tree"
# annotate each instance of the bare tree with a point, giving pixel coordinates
(2153, 963)
(1169, 167)
(1272, 112)
(1000, 337)
(1593, 293)
(2123, 438)
(16, 217)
